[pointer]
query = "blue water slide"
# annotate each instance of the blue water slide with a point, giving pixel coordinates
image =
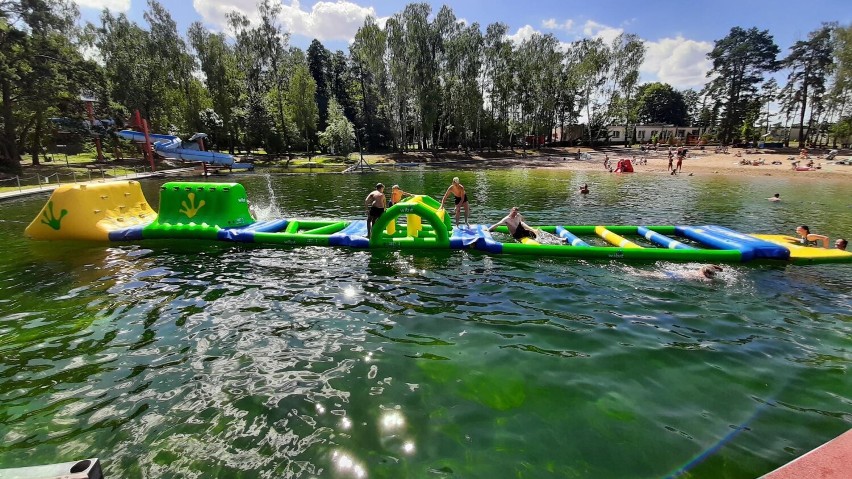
(173, 147)
(661, 240)
(724, 238)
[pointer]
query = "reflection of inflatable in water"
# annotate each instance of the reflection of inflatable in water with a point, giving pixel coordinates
(624, 166)
(219, 211)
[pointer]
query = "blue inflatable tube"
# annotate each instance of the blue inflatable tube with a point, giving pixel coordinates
(571, 238)
(724, 238)
(246, 234)
(661, 240)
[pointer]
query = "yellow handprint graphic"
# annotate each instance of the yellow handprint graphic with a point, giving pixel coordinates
(191, 210)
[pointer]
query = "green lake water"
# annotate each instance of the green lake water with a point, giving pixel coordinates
(197, 359)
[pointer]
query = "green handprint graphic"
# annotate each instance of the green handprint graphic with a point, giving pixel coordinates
(50, 218)
(191, 210)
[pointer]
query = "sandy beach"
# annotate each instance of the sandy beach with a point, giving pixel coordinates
(698, 162)
(706, 162)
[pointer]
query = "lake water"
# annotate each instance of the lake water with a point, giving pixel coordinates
(194, 359)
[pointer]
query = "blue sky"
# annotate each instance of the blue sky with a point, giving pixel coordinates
(678, 34)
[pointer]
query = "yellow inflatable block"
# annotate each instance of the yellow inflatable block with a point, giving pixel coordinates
(799, 252)
(414, 225)
(91, 211)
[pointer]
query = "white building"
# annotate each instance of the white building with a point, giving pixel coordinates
(657, 132)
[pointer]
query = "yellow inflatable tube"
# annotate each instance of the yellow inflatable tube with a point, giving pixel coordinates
(91, 211)
(614, 239)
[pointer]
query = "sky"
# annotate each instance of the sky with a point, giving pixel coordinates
(677, 34)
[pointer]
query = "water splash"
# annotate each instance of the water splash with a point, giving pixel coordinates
(266, 208)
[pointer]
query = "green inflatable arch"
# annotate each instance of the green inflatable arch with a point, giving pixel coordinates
(436, 235)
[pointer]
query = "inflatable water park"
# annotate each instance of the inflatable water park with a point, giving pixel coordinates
(119, 212)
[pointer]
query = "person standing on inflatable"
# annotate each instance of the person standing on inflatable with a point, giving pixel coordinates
(457, 189)
(397, 194)
(375, 203)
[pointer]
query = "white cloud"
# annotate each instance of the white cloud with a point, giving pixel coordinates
(112, 5)
(524, 33)
(214, 12)
(552, 24)
(325, 21)
(678, 61)
(606, 33)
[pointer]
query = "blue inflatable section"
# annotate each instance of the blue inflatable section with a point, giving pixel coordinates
(354, 235)
(246, 234)
(661, 240)
(466, 237)
(570, 237)
(724, 238)
(134, 233)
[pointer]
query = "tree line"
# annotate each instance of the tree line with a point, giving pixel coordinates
(422, 81)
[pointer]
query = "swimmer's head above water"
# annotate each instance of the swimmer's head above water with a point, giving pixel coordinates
(709, 270)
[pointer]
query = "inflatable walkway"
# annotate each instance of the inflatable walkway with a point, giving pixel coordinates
(219, 211)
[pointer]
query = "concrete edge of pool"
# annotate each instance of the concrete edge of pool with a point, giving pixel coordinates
(828, 461)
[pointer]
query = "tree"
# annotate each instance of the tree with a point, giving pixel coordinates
(41, 74)
(768, 93)
(368, 55)
(810, 62)
(222, 77)
(740, 61)
(693, 106)
(303, 106)
(340, 134)
(629, 53)
(592, 63)
(319, 64)
(660, 103)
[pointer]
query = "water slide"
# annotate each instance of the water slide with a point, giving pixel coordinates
(173, 147)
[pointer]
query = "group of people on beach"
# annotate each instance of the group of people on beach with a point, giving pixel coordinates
(681, 154)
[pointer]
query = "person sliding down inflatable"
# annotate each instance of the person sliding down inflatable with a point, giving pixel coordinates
(624, 166)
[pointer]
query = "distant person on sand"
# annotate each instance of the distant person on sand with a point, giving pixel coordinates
(397, 194)
(584, 190)
(375, 203)
(775, 197)
(515, 222)
(457, 189)
(671, 160)
(841, 244)
(807, 238)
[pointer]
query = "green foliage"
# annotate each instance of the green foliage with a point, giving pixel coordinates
(319, 64)
(339, 136)
(810, 62)
(660, 103)
(423, 78)
(740, 62)
(303, 111)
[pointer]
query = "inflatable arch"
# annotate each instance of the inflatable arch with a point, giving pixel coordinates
(417, 210)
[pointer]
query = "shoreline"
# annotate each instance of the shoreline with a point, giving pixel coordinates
(697, 163)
